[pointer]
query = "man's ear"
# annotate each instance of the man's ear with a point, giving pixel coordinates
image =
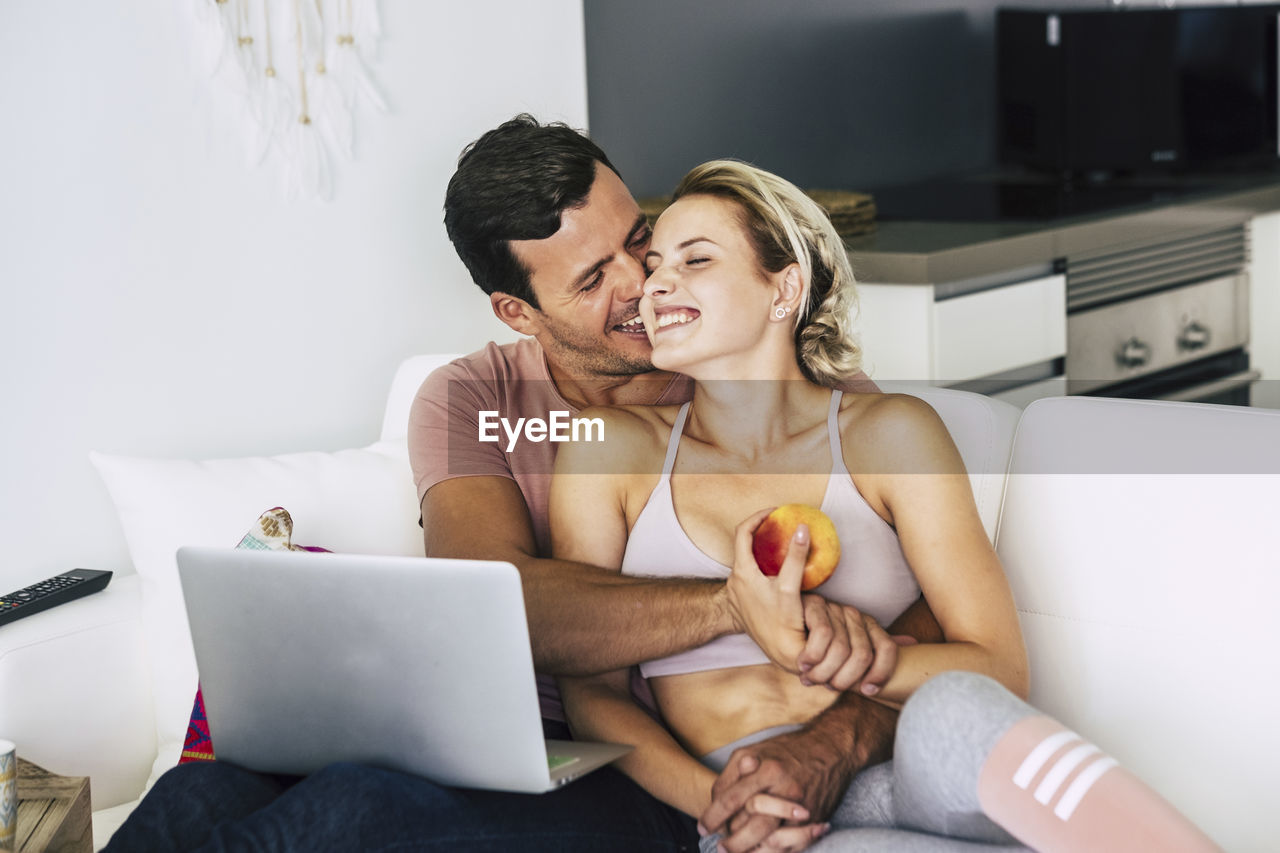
(790, 287)
(515, 312)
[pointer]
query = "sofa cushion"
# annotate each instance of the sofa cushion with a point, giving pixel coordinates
(355, 501)
(413, 371)
(1139, 542)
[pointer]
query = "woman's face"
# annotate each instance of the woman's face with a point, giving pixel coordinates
(706, 297)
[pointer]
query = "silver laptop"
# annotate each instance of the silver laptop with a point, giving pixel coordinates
(420, 665)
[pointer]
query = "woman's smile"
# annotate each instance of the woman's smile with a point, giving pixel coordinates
(670, 317)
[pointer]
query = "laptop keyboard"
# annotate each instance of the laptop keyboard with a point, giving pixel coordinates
(555, 762)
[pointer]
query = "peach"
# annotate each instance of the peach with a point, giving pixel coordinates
(772, 537)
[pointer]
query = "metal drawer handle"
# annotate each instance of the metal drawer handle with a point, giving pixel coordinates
(1134, 353)
(1194, 336)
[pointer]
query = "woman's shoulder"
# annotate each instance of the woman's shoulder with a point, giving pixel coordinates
(895, 433)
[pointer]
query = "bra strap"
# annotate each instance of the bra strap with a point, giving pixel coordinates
(833, 433)
(673, 443)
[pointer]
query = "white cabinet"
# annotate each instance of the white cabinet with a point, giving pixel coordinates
(1264, 295)
(921, 332)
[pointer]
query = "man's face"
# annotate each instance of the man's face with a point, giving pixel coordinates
(588, 278)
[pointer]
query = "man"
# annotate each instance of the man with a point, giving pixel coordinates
(549, 231)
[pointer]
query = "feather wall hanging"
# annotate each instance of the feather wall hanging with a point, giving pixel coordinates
(292, 75)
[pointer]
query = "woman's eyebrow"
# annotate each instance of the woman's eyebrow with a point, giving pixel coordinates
(684, 245)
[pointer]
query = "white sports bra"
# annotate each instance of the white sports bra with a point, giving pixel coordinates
(872, 575)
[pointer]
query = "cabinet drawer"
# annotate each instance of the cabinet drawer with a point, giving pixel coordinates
(999, 329)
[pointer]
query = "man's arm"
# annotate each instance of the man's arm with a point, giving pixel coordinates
(585, 620)
(582, 619)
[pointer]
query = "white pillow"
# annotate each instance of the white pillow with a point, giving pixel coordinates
(359, 501)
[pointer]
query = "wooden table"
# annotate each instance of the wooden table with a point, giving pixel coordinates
(53, 811)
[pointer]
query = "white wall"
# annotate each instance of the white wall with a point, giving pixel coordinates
(160, 298)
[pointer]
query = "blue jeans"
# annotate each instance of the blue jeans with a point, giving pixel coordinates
(216, 806)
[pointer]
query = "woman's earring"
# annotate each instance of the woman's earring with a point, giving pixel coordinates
(781, 312)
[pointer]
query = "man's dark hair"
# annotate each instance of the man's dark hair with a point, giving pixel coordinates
(513, 183)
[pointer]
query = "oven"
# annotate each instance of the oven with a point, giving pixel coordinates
(1163, 319)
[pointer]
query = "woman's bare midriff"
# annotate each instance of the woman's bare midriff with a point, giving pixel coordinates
(707, 710)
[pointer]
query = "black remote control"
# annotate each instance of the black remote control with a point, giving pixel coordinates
(58, 589)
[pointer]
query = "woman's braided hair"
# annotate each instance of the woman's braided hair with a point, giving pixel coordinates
(785, 226)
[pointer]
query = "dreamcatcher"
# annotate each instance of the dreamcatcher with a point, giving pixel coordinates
(292, 73)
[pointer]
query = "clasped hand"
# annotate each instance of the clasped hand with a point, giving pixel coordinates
(823, 642)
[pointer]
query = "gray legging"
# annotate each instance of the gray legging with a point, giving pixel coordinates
(926, 799)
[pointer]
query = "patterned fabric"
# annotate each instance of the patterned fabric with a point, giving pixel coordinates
(8, 795)
(272, 532)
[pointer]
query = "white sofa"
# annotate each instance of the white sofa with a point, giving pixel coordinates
(1137, 537)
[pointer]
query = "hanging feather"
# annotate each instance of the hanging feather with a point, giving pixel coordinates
(279, 113)
(366, 85)
(366, 27)
(331, 114)
(328, 109)
(298, 126)
(215, 33)
(308, 168)
(355, 81)
(254, 128)
(311, 24)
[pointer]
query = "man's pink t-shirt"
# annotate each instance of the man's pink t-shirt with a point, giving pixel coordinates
(512, 380)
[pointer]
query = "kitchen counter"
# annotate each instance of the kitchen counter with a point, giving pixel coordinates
(902, 251)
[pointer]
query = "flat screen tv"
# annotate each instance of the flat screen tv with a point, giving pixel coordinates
(1139, 90)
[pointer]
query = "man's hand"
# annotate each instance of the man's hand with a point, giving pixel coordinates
(846, 648)
(800, 768)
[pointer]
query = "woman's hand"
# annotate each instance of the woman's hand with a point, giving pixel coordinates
(769, 609)
(789, 831)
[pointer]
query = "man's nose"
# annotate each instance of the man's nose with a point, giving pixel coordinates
(634, 286)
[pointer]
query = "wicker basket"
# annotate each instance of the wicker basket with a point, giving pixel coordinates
(851, 213)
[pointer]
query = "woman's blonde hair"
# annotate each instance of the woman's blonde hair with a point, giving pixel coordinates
(785, 226)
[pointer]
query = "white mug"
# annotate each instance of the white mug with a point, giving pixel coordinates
(8, 795)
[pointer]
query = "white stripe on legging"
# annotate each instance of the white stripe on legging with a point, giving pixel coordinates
(1060, 771)
(1035, 760)
(1077, 789)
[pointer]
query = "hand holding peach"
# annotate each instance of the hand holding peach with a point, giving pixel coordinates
(823, 642)
(772, 540)
(769, 608)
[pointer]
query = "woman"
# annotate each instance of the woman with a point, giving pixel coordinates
(749, 292)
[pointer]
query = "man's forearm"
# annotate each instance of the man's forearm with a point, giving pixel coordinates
(584, 620)
(862, 729)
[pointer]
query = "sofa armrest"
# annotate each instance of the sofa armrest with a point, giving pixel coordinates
(77, 693)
